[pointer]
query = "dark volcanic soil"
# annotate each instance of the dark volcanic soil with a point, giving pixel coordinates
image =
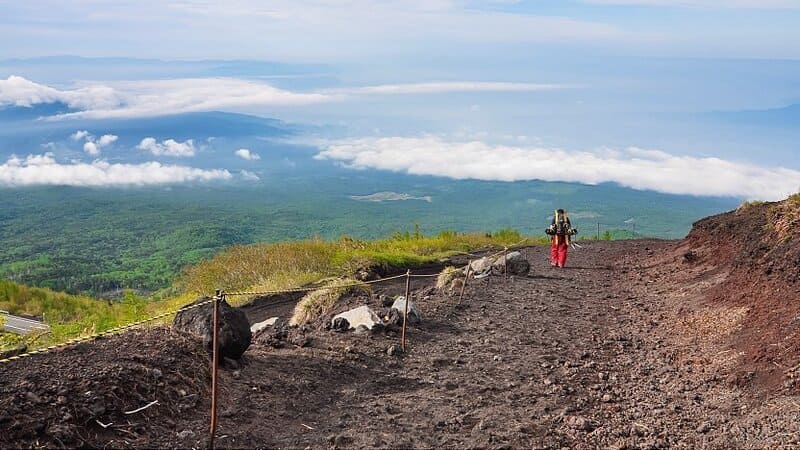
(600, 354)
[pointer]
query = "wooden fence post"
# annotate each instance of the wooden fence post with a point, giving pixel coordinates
(405, 312)
(214, 366)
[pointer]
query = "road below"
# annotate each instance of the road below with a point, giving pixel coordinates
(21, 325)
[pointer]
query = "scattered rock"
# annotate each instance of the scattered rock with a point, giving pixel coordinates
(393, 350)
(256, 327)
(386, 301)
(234, 329)
(579, 423)
(340, 324)
(704, 427)
(513, 264)
(414, 316)
(362, 315)
(185, 434)
(480, 266)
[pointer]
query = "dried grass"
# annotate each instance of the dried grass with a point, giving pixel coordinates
(447, 275)
(321, 301)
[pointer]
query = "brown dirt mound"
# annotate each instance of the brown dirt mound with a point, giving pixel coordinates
(61, 398)
(748, 262)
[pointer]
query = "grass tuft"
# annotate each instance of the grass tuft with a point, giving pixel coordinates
(447, 275)
(321, 301)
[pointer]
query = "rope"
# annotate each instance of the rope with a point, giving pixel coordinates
(82, 339)
(312, 288)
(224, 294)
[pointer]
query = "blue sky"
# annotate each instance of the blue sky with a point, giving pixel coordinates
(703, 79)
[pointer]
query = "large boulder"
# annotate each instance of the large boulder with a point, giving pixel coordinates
(513, 264)
(234, 328)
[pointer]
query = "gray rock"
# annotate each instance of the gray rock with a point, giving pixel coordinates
(481, 266)
(362, 315)
(414, 316)
(514, 263)
(256, 327)
(234, 328)
(340, 324)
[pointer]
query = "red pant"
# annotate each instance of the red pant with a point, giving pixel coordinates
(558, 251)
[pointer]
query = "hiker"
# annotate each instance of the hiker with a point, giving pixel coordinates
(561, 231)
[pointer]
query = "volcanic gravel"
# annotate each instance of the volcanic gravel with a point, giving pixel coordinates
(616, 350)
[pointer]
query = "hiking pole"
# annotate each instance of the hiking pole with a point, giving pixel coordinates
(214, 366)
(405, 311)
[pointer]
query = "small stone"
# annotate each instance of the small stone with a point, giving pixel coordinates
(185, 434)
(607, 398)
(602, 376)
(33, 397)
(705, 427)
(579, 423)
(392, 350)
(498, 358)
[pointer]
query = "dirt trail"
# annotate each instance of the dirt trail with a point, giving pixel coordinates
(586, 356)
(574, 357)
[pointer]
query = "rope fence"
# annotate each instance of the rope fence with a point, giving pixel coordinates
(221, 295)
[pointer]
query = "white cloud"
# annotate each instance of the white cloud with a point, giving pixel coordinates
(19, 91)
(449, 86)
(247, 154)
(710, 4)
(107, 139)
(91, 148)
(249, 176)
(169, 147)
(45, 170)
(78, 135)
(632, 167)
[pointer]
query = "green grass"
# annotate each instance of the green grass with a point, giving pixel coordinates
(289, 264)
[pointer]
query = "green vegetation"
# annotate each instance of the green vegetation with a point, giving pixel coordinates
(103, 241)
(243, 267)
(289, 264)
(69, 316)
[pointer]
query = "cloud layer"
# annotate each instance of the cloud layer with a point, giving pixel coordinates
(710, 4)
(447, 87)
(633, 167)
(43, 169)
(160, 97)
